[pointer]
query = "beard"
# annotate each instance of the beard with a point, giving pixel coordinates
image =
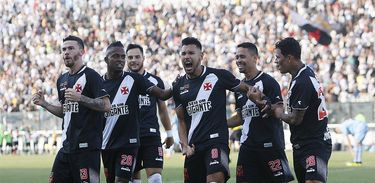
(70, 63)
(136, 69)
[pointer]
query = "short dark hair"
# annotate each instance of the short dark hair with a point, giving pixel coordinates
(115, 44)
(132, 46)
(75, 38)
(289, 46)
(252, 47)
(192, 40)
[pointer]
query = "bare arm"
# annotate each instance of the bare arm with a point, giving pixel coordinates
(234, 121)
(160, 93)
(350, 145)
(98, 104)
(182, 133)
(294, 118)
(164, 118)
(38, 99)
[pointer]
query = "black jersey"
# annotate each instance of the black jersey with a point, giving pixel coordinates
(122, 122)
(306, 93)
(258, 132)
(82, 126)
(203, 100)
(149, 125)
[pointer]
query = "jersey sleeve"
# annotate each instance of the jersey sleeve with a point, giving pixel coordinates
(97, 86)
(237, 96)
(60, 91)
(160, 83)
(301, 95)
(272, 91)
(229, 81)
(176, 95)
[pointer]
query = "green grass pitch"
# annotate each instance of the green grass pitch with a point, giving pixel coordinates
(36, 169)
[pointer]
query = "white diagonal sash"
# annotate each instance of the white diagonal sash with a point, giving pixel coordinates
(202, 94)
(111, 121)
(68, 115)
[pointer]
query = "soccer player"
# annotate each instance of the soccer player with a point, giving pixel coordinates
(150, 153)
(261, 157)
(357, 128)
(200, 98)
(83, 100)
(306, 116)
(121, 131)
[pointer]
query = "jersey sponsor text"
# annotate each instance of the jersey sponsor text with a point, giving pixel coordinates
(198, 106)
(117, 109)
(144, 101)
(71, 107)
(250, 111)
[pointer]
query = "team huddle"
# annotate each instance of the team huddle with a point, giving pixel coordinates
(115, 116)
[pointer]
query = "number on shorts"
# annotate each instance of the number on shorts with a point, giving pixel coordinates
(126, 160)
(310, 161)
(160, 150)
(214, 153)
(275, 165)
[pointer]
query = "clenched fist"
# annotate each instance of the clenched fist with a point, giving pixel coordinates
(38, 98)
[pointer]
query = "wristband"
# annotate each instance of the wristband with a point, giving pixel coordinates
(169, 133)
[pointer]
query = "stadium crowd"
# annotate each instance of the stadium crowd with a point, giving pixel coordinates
(31, 33)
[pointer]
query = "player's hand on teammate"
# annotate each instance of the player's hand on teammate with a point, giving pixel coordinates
(168, 142)
(72, 95)
(254, 94)
(187, 150)
(38, 98)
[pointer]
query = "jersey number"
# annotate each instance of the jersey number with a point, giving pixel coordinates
(322, 109)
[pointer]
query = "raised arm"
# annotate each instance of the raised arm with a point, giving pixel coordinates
(163, 94)
(38, 99)
(166, 122)
(98, 104)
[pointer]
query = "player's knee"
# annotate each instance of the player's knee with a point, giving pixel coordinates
(216, 178)
(121, 180)
(313, 181)
(136, 181)
(137, 175)
(155, 178)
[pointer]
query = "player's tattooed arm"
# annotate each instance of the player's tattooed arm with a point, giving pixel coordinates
(163, 94)
(98, 104)
(293, 118)
(38, 99)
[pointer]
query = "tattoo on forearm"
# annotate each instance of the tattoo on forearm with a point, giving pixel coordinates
(96, 104)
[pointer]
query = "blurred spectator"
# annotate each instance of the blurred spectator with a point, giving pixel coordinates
(357, 128)
(31, 32)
